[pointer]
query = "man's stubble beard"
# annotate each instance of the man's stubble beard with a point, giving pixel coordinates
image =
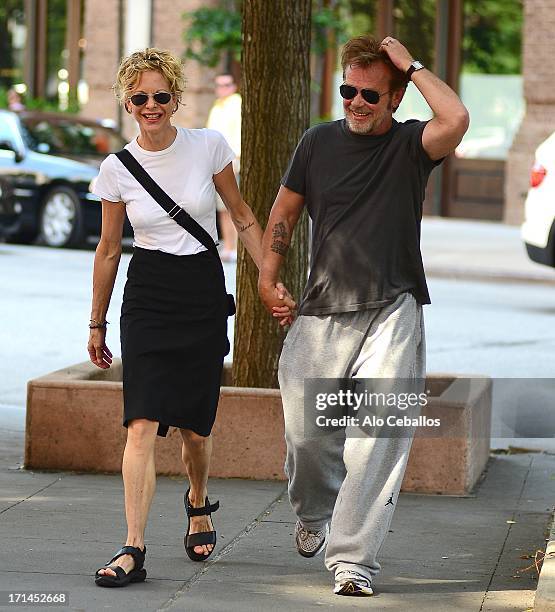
(369, 128)
(360, 129)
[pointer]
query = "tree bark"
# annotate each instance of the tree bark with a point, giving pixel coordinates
(276, 112)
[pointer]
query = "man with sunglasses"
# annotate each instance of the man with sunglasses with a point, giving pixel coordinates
(362, 179)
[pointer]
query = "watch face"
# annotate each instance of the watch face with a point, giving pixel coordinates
(417, 65)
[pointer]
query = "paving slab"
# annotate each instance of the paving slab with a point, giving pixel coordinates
(443, 553)
(69, 512)
(85, 595)
(11, 440)
(425, 562)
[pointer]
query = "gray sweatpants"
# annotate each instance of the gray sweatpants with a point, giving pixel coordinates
(353, 482)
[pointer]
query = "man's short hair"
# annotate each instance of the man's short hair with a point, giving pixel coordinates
(363, 51)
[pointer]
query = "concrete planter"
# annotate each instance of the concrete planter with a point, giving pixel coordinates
(74, 423)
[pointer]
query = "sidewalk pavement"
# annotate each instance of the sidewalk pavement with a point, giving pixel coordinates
(478, 250)
(443, 553)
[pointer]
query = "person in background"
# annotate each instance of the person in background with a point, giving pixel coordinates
(15, 102)
(225, 117)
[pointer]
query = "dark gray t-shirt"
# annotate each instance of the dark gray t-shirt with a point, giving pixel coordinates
(364, 195)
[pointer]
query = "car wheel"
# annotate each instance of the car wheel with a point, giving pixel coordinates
(61, 218)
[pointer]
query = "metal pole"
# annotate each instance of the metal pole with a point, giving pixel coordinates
(30, 46)
(73, 34)
(447, 67)
(385, 25)
(120, 54)
(41, 48)
(440, 68)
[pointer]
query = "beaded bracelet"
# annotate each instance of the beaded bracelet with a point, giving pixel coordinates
(94, 324)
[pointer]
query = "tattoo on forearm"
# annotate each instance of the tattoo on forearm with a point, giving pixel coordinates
(279, 236)
(279, 230)
(246, 227)
(279, 247)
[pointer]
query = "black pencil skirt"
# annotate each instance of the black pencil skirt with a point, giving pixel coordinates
(173, 339)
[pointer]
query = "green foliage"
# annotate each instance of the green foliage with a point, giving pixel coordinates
(359, 16)
(39, 104)
(327, 22)
(414, 24)
(57, 21)
(212, 32)
(320, 119)
(492, 36)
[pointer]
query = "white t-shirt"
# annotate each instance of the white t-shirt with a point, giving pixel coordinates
(184, 171)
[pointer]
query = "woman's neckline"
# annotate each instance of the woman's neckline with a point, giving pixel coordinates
(168, 149)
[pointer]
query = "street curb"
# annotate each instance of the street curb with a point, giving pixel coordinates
(489, 275)
(545, 593)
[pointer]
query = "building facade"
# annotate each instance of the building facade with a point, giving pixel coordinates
(114, 28)
(538, 70)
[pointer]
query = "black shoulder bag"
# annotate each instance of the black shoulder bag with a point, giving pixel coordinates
(174, 211)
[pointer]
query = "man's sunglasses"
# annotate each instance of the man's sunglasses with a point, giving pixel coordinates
(162, 97)
(369, 95)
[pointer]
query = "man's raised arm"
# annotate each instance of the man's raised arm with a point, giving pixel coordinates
(445, 131)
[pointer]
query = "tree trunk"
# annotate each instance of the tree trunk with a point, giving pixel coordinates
(276, 107)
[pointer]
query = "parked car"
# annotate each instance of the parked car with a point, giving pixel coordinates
(538, 229)
(8, 209)
(49, 161)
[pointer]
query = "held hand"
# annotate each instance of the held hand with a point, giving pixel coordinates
(397, 53)
(286, 313)
(99, 353)
(278, 302)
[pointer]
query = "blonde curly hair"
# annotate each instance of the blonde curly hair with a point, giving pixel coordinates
(151, 58)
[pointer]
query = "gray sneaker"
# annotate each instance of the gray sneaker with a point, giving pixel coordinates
(310, 543)
(352, 583)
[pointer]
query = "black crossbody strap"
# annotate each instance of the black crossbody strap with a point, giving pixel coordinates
(161, 197)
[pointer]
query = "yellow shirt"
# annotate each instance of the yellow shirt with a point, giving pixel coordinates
(225, 117)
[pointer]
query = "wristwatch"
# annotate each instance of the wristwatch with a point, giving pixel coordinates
(416, 65)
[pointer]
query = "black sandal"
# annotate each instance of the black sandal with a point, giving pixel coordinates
(121, 579)
(202, 538)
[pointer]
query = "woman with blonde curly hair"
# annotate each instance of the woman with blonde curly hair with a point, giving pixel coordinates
(174, 312)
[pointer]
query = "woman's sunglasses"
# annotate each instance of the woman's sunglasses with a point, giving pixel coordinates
(369, 95)
(162, 97)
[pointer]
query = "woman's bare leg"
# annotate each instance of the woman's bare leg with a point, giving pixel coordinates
(196, 453)
(139, 479)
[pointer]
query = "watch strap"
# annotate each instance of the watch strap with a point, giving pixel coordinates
(416, 65)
